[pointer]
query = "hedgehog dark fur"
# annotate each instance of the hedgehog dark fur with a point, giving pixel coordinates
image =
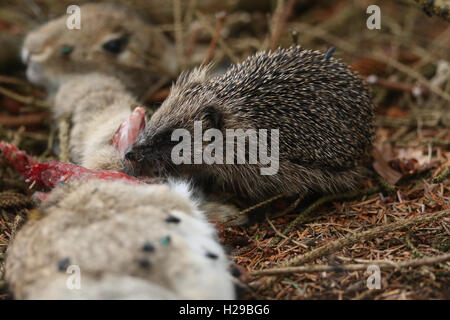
(322, 110)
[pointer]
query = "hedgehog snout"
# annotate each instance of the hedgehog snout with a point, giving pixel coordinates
(134, 153)
(138, 164)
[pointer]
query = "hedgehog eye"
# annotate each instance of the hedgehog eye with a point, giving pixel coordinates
(164, 137)
(66, 50)
(117, 45)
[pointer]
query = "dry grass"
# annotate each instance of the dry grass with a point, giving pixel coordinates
(413, 141)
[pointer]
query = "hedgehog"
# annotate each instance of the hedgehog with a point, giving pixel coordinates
(156, 244)
(321, 109)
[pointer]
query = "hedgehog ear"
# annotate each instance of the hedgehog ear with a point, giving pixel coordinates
(213, 115)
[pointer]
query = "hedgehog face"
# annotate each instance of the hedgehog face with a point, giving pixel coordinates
(187, 103)
(152, 153)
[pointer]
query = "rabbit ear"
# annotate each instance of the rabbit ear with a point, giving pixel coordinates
(41, 56)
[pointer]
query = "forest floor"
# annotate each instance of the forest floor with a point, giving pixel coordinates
(319, 247)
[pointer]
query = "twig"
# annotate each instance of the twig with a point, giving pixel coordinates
(50, 141)
(17, 136)
(352, 239)
(17, 223)
(7, 183)
(294, 37)
(178, 31)
(161, 95)
(12, 80)
(223, 45)
(280, 18)
(282, 235)
(352, 267)
(291, 207)
(411, 245)
(256, 206)
(398, 86)
(429, 56)
(410, 122)
(212, 46)
(412, 73)
(444, 175)
(24, 120)
(276, 16)
(386, 185)
(63, 137)
(30, 100)
(10, 200)
(148, 95)
(190, 12)
(347, 46)
(313, 207)
(192, 41)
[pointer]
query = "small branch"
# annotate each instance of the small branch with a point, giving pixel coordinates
(10, 200)
(178, 29)
(349, 47)
(192, 41)
(412, 73)
(256, 206)
(223, 45)
(294, 37)
(328, 198)
(213, 44)
(352, 267)
(411, 245)
(441, 177)
(382, 167)
(352, 239)
(282, 235)
(190, 12)
(413, 89)
(280, 19)
(386, 186)
(63, 137)
(17, 223)
(24, 120)
(29, 100)
(7, 183)
(12, 80)
(151, 91)
(291, 207)
(159, 96)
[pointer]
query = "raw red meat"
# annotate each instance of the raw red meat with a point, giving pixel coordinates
(19, 159)
(50, 174)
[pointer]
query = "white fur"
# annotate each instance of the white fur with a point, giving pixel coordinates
(102, 227)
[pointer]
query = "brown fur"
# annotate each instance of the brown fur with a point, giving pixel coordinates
(146, 56)
(102, 227)
(97, 105)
